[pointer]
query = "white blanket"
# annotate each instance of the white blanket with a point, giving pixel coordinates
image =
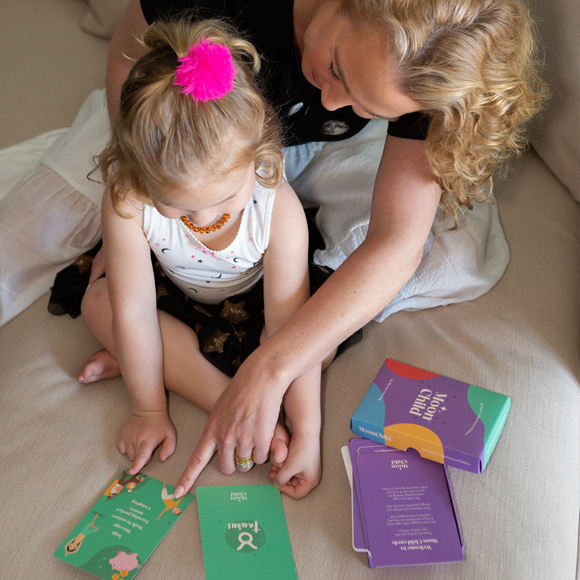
(339, 177)
(457, 265)
(72, 155)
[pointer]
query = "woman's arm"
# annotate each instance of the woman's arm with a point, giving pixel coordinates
(136, 334)
(123, 52)
(405, 200)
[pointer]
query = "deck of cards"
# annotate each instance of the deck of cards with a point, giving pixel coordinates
(402, 509)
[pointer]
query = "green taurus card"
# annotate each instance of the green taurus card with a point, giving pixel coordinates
(244, 533)
(123, 528)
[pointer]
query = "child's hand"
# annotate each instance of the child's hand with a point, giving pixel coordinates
(142, 434)
(300, 472)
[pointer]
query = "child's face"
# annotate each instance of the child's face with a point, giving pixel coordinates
(209, 202)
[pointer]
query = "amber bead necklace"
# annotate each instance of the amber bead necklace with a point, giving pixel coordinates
(217, 226)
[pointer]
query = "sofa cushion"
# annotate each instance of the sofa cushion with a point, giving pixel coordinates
(557, 139)
(49, 66)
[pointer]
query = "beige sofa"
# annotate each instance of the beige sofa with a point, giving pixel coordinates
(519, 518)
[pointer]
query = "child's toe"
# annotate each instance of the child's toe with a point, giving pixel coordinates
(102, 365)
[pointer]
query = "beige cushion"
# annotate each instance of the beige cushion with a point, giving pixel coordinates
(49, 66)
(558, 138)
(103, 16)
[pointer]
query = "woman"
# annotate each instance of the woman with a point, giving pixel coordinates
(467, 65)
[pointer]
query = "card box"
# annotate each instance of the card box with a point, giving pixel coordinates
(445, 420)
(402, 509)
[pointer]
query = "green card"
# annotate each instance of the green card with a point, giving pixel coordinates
(123, 528)
(244, 533)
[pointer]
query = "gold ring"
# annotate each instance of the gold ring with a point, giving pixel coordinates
(244, 463)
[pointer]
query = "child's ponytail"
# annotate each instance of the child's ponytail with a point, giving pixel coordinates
(166, 140)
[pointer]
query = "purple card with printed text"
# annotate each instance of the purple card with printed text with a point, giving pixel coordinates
(405, 510)
(359, 538)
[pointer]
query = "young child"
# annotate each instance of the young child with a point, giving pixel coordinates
(194, 172)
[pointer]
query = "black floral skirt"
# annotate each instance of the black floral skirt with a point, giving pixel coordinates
(227, 332)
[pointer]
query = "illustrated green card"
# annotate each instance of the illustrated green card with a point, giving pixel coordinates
(123, 528)
(244, 533)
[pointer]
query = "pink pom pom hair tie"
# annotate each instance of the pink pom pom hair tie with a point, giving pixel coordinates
(207, 72)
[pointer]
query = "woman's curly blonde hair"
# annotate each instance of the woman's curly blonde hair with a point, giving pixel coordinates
(164, 141)
(472, 67)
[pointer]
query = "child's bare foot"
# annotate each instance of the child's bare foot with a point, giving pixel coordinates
(102, 365)
(300, 473)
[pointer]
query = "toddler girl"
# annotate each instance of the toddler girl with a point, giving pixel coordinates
(194, 173)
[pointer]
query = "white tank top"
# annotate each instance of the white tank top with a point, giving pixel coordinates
(206, 275)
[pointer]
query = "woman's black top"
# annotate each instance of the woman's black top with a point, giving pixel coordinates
(268, 24)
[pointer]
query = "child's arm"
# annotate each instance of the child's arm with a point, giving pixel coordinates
(136, 334)
(286, 289)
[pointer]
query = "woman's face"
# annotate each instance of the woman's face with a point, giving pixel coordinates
(351, 67)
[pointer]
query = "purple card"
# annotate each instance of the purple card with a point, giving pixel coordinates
(405, 507)
(359, 538)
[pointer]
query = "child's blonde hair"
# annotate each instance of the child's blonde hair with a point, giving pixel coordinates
(471, 65)
(164, 141)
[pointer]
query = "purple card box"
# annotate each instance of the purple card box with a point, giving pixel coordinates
(446, 420)
(403, 512)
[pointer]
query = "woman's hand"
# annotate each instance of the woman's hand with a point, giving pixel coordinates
(242, 422)
(142, 433)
